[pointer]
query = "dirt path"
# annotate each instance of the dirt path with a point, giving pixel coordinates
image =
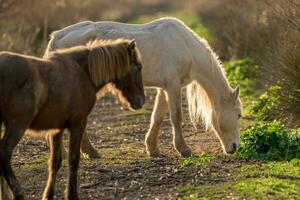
(124, 171)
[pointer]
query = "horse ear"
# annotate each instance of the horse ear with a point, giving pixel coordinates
(131, 45)
(236, 92)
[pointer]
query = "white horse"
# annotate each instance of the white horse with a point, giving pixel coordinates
(173, 57)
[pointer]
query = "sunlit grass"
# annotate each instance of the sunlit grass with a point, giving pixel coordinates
(203, 158)
(272, 180)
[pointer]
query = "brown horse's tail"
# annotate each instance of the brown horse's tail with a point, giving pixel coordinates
(1, 134)
(5, 192)
(2, 179)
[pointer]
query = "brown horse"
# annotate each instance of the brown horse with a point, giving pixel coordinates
(58, 93)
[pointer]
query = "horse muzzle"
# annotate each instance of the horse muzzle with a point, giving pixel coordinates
(232, 149)
(137, 104)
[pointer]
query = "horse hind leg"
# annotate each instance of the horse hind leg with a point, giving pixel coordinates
(159, 111)
(87, 149)
(11, 138)
(5, 192)
(55, 143)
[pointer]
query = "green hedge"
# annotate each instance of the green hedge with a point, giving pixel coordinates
(241, 72)
(270, 141)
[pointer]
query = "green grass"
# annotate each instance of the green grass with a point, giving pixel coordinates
(207, 191)
(120, 156)
(139, 113)
(38, 163)
(267, 188)
(202, 159)
(122, 128)
(270, 169)
(272, 180)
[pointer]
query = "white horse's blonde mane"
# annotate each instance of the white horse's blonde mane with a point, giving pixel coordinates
(201, 105)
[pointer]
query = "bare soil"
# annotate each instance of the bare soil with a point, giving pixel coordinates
(124, 170)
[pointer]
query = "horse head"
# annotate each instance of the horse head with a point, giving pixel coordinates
(228, 118)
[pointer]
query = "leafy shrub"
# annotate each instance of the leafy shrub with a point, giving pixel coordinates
(269, 141)
(279, 102)
(240, 72)
(267, 106)
(295, 162)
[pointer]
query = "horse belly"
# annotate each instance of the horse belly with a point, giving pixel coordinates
(49, 120)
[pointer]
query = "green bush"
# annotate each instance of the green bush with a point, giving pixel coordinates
(269, 141)
(279, 102)
(267, 106)
(240, 72)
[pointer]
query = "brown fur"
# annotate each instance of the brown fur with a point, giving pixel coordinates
(58, 93)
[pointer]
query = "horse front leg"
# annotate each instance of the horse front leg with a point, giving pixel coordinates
(87, 149)
(76, 132)
(55, 143)
(158, 113)
(174, 97)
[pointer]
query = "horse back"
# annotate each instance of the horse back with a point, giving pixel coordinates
(164, 44)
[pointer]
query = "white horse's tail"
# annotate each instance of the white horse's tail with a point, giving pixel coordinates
(50, 45)
(200, 107)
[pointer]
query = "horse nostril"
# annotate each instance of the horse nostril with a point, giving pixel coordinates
(234, 146)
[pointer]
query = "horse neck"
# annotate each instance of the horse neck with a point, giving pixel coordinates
(81, 57)
(209, 74)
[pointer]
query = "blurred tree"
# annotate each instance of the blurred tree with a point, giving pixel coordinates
(6, 6)
(28, 23)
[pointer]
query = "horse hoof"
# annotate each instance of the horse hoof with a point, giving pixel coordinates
(154, 154)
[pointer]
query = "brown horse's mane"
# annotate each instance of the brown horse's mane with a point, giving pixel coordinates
(107, 59)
